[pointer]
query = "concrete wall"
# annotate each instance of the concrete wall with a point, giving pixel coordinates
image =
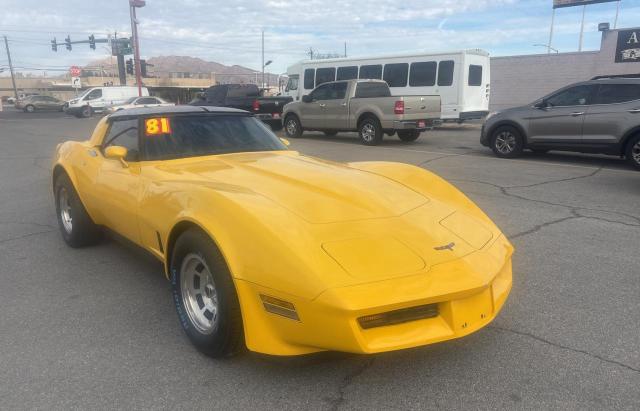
(518, 80)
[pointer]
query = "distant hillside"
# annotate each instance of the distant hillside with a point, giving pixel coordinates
(164, 65)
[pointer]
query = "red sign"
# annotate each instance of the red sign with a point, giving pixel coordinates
(75, 71)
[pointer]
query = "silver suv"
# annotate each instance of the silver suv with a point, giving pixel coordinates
(596, 116)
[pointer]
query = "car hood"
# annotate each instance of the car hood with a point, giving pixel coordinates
(318, 191)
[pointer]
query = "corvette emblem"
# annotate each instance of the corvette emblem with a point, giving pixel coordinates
(445, 247)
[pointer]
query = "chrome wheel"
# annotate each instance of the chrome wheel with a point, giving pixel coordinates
(505, 142)
(199, 293)
(635, 152)
(65, 210)
(292, 127)
(368, 132)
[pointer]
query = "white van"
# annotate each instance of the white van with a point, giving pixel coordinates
(460, 78)
(95, 99)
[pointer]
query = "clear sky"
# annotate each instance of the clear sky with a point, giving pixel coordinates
(229, 31)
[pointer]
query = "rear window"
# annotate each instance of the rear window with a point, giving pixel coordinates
(309, 77)
(475, 75)
(396, 74)
(423, 74)
(617, 93)
(445, 73)
(372, 89)
(347, 73)
(193, 136)
(243, 91)
(325, 75)
(371, 72)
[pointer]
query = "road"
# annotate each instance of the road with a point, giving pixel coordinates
(95, 328)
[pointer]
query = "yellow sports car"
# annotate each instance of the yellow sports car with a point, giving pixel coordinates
(280, 252)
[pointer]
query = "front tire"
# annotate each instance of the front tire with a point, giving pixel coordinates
(86, 111)
(408, 135)
(507, 142)
(76, 226)
(633, 152)
(205, 296)
(370, 131)
(30, 109)
(292, 126)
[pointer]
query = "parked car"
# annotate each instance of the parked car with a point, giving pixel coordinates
(277, 251)
(135, 102)
(365, 106)
(597, 116)
(94, 100)
(31, 104)
(246, 97)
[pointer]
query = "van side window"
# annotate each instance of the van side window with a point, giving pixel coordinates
(373, 71)
(325, 75)
(423, 74)
(347, 73)
(475, 75)
(396, 74)
(94, 94)
(445, 73)
(309, 77)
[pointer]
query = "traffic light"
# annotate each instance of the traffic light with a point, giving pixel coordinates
(129, 65)
(92, 41)
(54, 45)
(67, 42)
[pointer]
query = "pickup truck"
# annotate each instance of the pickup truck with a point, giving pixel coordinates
(365, 106)
(246, 97)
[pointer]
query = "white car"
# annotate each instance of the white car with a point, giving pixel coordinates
(134, 102)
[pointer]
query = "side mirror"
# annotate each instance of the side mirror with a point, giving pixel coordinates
(543, 104)
(285, 141)
(117, 153)
(307, 98)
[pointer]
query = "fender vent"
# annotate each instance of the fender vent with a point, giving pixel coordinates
(399, 316)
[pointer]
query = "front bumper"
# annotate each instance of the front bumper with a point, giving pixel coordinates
(469, 293)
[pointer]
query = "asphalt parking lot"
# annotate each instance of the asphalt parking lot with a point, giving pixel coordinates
(95, 328)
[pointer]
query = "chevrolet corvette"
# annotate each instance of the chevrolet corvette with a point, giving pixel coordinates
(276, 251)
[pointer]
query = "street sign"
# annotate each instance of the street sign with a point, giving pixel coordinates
(75, 82)
(75, 71)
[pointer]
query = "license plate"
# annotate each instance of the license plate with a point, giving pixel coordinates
(422, 124)
(276, 115)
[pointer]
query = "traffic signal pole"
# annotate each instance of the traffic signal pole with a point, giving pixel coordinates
(13, 76)
(136, 46)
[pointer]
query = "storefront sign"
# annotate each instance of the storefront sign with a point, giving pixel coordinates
(628, 48)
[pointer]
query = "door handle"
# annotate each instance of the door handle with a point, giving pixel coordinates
(634, 110)
(579, 113)
(344, 104)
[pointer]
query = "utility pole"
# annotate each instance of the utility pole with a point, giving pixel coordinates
(553, 17)
(615, 22)
(584, 10)
(262, 85)
(133, 4)
(13, 76)
(345, 49)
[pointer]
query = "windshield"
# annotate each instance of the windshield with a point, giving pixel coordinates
(131, 100)
(191, 136)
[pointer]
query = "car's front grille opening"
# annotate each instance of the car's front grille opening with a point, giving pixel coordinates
(399, 316)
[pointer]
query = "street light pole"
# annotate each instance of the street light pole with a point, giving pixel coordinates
(13, 77)
(262, 85)
(133, 4)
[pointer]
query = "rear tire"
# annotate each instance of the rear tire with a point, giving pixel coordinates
(507, 142)
(292, 126)
(29, 109)
(76, 226)
(205, 296)
(370, 131)
(408, 135)
(633, 152)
